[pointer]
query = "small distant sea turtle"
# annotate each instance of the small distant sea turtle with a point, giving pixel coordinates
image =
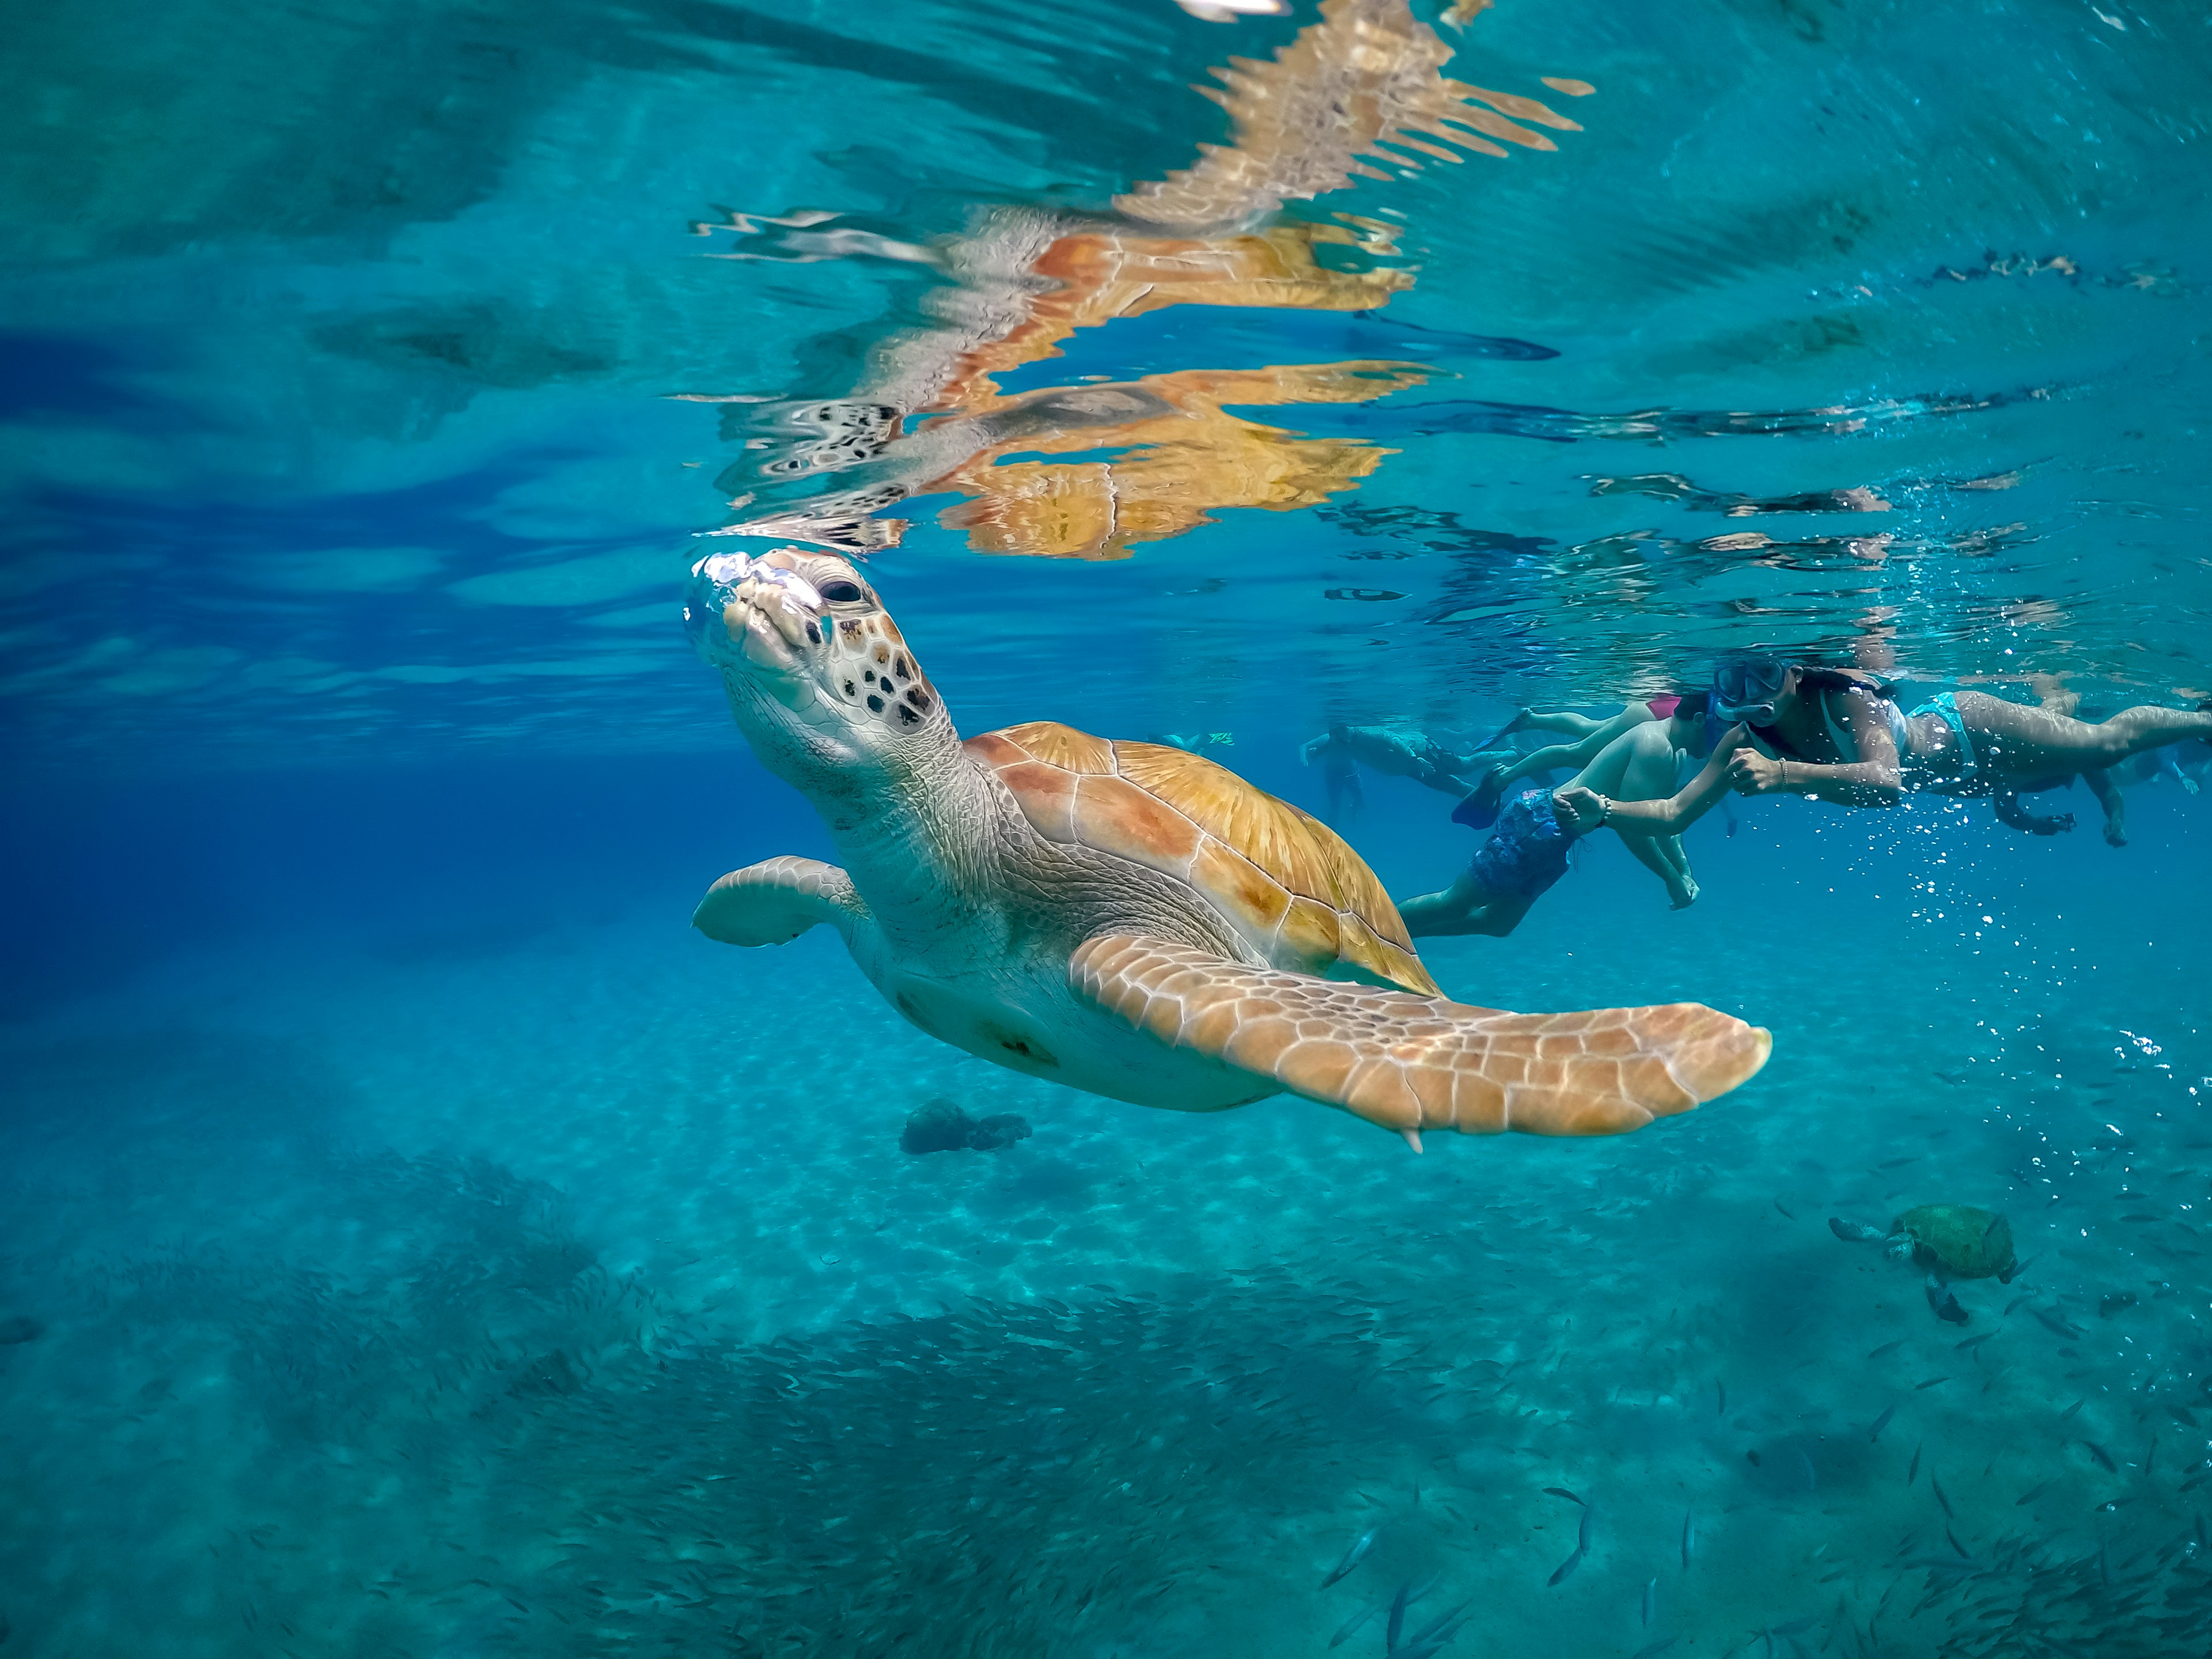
(1126, 918)
(1950, 1241)
(1955, 1240)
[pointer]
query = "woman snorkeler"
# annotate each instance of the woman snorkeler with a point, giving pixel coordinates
(1839, 736)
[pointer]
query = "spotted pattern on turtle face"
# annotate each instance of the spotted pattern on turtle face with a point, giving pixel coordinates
(874, 672)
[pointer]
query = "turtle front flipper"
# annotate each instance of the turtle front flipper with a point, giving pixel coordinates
(1411, 1062)
(773, 902)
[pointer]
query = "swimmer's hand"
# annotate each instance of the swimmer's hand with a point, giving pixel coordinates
(1583, 808)
(1750, 773)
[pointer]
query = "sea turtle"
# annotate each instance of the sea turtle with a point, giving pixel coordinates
(1126, 918)
(1945, 1240)
(1956, 1241)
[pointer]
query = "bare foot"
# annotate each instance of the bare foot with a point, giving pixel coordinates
(1683, 892)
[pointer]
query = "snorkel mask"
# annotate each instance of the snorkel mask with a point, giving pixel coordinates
(1747, 690)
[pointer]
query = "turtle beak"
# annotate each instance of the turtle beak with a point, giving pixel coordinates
(749, 608)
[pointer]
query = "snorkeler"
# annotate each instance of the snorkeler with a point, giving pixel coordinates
(2009, 810)
(1590, 737)
(1394, 751)
(2105, 784)
(1839, 736)
(1526, 851)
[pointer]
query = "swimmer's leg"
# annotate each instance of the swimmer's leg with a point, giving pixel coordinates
(1499, 917)
(1563, 720)
(2052, 692)
(2114, 803)
(2017, 742)
(1343, 780)
(1465, 907)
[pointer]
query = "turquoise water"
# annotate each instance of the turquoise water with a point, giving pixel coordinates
(416, 1239)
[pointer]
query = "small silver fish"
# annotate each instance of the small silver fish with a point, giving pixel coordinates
(1879, 1424)
(1913, 1474)
(2071, 1409)
(1853, 1232)
(1886, 1348)
(1689, 1536)
(1350, 1626)
(1360, 1546)
(1946, 1564)
(2102, 1456)
(1397, 1626)
(1568, 1565)
(1650, 1602)
(1582, 1539)
(1936, 1486)
(1442, 1628)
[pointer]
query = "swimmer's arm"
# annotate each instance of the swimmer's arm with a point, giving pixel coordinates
(1873, 779)
(2010, 811)
(1657, 817)
(2107, 792)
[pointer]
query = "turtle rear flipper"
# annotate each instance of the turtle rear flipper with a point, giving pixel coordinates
(773, 902)
(1410, 1062)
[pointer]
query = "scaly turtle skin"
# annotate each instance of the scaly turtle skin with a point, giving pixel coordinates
(1125, 918)
(1956, 1241)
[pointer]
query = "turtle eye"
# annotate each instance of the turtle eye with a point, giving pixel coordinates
(839, 593)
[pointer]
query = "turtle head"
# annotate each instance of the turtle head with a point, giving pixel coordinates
(817, 672)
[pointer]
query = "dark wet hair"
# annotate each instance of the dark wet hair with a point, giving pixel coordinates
(1838, 679)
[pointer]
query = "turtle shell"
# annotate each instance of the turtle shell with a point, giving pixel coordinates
(1960, 1240)
(1279, 876)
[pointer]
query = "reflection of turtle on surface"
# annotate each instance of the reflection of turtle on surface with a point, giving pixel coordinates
(1954, 1240)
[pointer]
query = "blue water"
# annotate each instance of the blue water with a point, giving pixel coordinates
(416, 1239)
